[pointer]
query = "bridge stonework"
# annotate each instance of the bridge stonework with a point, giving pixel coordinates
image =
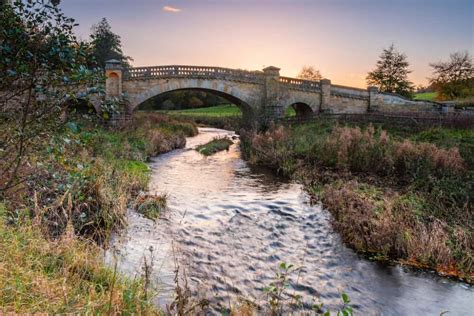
(261, 95)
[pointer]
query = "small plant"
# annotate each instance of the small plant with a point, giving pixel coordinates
(277, 290)
(345, 310)
(151, 206)
(280, 298)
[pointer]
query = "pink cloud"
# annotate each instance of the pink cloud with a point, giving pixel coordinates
(171, 9)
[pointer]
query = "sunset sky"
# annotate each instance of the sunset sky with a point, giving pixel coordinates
(342, 38)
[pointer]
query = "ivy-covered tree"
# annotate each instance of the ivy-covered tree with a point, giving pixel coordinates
(42, 69)
(454, 78)
(107, 45)
(391, 73)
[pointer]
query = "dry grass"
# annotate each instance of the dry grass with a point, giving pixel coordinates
(391, 197)
(387, 224)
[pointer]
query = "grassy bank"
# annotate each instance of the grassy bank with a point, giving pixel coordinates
(65, 275)
(405, 197)
(84, 178)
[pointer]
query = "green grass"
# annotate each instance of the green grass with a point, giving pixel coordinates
(67, 275)
(214, 146)
(225, 110)
(426, 96)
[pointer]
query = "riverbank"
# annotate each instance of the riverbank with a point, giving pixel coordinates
(52, 226)
(394, 195)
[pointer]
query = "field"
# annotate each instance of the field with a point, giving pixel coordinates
(427, 96)
(224, 110)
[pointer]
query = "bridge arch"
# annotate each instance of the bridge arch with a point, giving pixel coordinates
(245, 96)
(302, 110)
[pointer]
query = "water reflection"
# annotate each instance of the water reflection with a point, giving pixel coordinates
(232, 225)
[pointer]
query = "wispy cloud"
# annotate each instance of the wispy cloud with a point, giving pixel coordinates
(171, 9)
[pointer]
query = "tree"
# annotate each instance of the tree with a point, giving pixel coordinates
(42, 68)
(310, 73)
(107, 45)
(391, 73)
(454, 78)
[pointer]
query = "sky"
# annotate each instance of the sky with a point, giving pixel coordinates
(341, 38)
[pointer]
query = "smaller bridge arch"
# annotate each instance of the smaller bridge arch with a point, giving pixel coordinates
(302, 110)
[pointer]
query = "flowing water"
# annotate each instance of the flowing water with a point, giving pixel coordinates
(228, 226)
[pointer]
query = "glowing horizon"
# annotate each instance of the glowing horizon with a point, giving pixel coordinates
(341, 38)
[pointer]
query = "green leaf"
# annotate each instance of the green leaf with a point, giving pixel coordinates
(345, 298)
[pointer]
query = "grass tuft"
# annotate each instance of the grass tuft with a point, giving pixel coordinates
(151, 206)
(214, 146)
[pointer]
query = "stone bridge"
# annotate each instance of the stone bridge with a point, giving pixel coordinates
(259, 94)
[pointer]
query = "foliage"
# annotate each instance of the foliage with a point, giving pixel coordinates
(310, 73)
(107, 45)
(454, 79)
(42, 69)
(391, 73)
(214, 146)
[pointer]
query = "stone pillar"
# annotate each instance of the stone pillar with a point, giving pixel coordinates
(113, 81)
(325, 95)
(271, 108)
(373, 104)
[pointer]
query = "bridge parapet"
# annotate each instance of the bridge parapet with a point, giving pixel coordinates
(176, 71)
(300, 84)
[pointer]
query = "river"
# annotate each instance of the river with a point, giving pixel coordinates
(229, 225)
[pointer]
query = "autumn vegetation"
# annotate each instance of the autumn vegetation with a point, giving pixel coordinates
(393, 195)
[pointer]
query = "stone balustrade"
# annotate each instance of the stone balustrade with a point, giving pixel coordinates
(300, 84)
(165, 72)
